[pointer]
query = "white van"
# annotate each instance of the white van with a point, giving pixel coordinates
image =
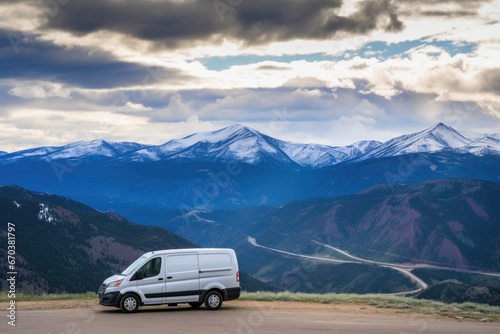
(194, 276)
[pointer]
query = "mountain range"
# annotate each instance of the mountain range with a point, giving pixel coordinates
(239, 167)
(428, 197)
(246, 145)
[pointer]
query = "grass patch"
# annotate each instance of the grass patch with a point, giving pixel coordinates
(402, 304)
(45, 297)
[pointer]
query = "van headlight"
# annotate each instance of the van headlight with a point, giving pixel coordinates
(115, 284)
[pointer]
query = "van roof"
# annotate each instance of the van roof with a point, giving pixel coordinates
(189, 250)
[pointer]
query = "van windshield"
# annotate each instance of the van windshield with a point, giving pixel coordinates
(134, 266)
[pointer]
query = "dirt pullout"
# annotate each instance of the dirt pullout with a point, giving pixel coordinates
(250, 304)
(53, 305)
(281, 306)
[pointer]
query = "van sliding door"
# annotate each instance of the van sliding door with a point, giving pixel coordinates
(182, 283)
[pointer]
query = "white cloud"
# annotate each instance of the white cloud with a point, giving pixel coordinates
(131, 107)
(369, 109)
(177, 110)
(19, 15)
(306, 101)
(41, 90)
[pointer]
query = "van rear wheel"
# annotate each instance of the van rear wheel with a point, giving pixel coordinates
(213, 300)
(129, 303)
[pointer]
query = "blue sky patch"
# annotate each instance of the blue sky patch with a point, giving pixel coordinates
(379, 50)
(224, 63)
(383, 50)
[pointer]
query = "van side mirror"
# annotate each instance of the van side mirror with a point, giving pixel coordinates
(139, 274)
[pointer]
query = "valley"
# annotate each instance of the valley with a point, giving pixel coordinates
(406, 269)
(401, 268)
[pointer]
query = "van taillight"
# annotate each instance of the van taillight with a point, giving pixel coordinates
(237, 276)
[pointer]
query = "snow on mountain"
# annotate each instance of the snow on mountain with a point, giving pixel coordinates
(314, 155)
(170, 148)
(359, 148)
(434, 139)
(79, 149)
(235, 142)
(308, 154)
(97, 147)
(243, 144)
(484, 145)
(472, 135)
(32, 152)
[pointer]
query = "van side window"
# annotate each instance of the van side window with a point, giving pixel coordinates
(152, 268)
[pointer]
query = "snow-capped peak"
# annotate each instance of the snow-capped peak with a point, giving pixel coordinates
(224, 134)
(98, 147)
(447, 136)
(436, 138)
(243, 144)
(235, 142)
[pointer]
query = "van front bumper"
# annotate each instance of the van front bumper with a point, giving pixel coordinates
(110, 298)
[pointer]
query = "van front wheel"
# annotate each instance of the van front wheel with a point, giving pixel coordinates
(213, 300)
(129, 303)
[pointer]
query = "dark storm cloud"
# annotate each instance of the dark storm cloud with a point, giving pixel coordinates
(461, 3)
(455, 8)
(174, 23)
(366, 18)
(33, 59)
(443, 13)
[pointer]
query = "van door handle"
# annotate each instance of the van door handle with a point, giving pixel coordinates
(160, 279)
(169, 277)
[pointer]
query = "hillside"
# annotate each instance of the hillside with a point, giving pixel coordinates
(64, 246)
(458, 287)
(453, 223)
(448, 223)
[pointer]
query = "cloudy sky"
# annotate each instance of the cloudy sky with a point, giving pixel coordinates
(312, 71)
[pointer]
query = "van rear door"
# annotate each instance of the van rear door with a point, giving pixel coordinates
(182, 284)
(217, 267)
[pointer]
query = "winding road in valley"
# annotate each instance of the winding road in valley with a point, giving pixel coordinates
(404, 269)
